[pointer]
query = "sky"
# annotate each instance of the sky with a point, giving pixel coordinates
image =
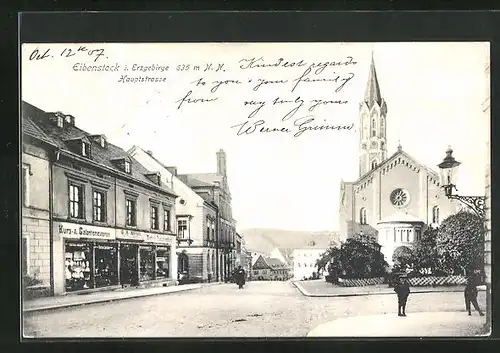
(434, 92)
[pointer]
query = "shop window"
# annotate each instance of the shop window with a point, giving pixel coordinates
(129, 264)
(166, 219)
(130, 206)
(24, 255)
(147, 263)
(162, 262)
(106, 265)
(78, 263)
(99, 206)
(154, 217)
(182, 228)
(76, 201)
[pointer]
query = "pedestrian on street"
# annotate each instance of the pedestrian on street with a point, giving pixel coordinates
(239, 277)
(470, 294)
(402, 289)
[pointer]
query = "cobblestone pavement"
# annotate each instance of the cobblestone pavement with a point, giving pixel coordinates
(261, 309)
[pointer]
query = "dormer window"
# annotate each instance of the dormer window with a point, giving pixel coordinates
(127, 167)
(102, 141)
(60, 121)
(85, 149)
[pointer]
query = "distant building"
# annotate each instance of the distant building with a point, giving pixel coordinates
(268, 269)
(284, 255)
(304, 262)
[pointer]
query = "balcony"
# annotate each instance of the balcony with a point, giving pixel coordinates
(183, 241)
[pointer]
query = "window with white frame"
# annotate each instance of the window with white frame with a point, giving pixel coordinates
(127, 167)
(182, 228)
(76, 201)
(99, 206)
(435, 214)
(130, 209)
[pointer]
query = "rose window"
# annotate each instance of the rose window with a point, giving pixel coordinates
(400, 197)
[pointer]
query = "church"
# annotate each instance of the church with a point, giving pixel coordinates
(394, 198)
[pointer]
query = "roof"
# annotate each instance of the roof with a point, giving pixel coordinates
(29, 128)
(372, 92)
(100, 155)
(400, 217)
(275, 263)
(389, 160)
(202, 179)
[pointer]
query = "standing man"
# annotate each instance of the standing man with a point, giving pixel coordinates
(470, 294)
(402, 289)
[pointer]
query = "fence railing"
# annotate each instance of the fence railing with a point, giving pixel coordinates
(430, 281)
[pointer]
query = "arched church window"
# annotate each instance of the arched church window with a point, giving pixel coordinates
(382, 145)
(374, 164)
(362, 215)
(435, 214)
(374, 128)
(382, 127)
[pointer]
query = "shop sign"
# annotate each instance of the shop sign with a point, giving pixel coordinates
(73, 230)
(158, 238)
(130, 234)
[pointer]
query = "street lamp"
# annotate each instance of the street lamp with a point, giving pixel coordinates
(449, 167)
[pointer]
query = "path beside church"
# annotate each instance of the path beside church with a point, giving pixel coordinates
(272, 309)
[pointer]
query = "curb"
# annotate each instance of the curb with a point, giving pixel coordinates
(304, 292)
(97, 301)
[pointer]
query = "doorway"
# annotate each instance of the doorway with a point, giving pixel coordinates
(128, 264)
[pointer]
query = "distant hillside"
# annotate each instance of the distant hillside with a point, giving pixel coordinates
(265, 240)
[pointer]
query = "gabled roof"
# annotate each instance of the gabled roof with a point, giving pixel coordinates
(101, 155)
(275, 263)
(202, 179)
(29, 128)
(392, 158)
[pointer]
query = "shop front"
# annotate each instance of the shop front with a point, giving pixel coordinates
(96, 258)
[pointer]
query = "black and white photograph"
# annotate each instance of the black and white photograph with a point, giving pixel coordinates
(305, 189)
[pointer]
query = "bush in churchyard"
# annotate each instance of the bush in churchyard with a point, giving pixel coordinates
(362, 258)
(460, 243)
(330, 260)
(425, 255)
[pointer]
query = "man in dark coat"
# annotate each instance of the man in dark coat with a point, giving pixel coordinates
(470, 294)
(402, 289)
(239, 277)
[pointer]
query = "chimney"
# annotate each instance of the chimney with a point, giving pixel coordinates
(172, 170)
(150, 152)
(155, 178)
(221, 162)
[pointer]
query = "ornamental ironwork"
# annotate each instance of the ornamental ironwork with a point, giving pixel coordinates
(475, 203)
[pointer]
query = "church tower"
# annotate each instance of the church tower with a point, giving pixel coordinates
(372, 115)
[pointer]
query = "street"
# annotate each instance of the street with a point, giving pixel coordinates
(261, 309)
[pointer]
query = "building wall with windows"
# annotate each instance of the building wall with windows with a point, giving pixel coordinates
(35, 188)
(108, 217)
(387, 186)
(304, 262)
(196, 220)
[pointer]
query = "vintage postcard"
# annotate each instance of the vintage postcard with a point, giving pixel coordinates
(255, 189)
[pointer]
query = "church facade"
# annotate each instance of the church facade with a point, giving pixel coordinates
(395, 197)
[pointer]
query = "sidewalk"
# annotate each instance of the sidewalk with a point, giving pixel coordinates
(427, 324)
(70, 300)
(324, 289)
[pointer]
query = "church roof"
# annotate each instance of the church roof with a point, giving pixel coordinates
(397, 154)
(372, 92)
(400, 217)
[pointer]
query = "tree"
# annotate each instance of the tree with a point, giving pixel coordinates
(329, 256)
(362, 258)
(403, 256)
(425, 255)
(460, 243)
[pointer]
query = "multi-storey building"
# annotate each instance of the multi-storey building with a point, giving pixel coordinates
(395, 197)
(111, 218)
(196, 222)
(214, 187)
(269, 269)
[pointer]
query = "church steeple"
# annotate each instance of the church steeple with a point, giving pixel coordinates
(372, 92)
(372, 115)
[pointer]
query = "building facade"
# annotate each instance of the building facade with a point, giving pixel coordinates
(269, 269)
(304, 262)
(37, 151)
(214, 187)
(395, 197)
(197, 250)
(111, 218)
